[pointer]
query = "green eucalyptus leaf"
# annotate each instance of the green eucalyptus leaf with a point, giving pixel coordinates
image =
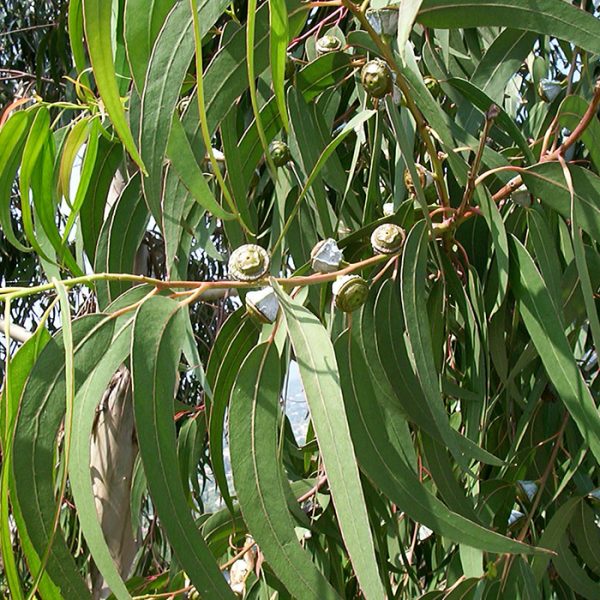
(158, 330)
(318, 370)
(259, 478)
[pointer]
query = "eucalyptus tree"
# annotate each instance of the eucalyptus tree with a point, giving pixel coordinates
(405, 200)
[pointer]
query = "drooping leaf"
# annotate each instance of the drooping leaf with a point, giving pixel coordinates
(546, 330)
(84, 415)
(549, 17)
(41, 413)
(158, 330)
(388, 469)
(183, 161)
(547, 182)
(13, 135)
(169, 62)
(120, 239)
(97, 16)
(414, 273)
(318, 370)
(143, 21)
(279, 42)
(17, 371)
(259, 478)
(233, 344)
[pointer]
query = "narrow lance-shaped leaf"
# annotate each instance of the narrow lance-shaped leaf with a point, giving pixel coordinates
(84, 414)
(327, 152)
(494, 221)
(587, 289)
(573, 574)
(414, 274)
(546, 331)
(38, 134)
(71, 145)
(547, 182)
(279, 42)
(169, 63)
(254, 417)
(406, 19)
(320, 378)
(98, 33)
(21, 365)
(143, 20)
(9, 409)
(549, 17)
(41, 414)
(13, 135)
(183, 161)
(76, 38)
(158, 331)
(235, 349)
(389, 470)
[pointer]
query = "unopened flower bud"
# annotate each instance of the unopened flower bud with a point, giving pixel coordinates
(280, 153)
(425, 178)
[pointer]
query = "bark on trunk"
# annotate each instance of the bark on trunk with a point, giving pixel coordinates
(113, 452)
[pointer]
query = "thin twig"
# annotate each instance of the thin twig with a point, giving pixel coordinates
(588, 117)
(438, 170)
(490, 116)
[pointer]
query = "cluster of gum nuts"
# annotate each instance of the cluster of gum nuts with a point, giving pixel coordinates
(250, 263)
(375, 76)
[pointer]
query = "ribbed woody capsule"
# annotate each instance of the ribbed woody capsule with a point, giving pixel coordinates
(425, 179)
(280, 153)
(328, 43)
(376, 78)
(350, 292)
(388, 238)
(249, 263)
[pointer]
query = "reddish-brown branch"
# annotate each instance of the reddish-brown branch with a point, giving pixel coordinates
(587, 118)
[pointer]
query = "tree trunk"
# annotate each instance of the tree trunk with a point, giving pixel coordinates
(113, 453)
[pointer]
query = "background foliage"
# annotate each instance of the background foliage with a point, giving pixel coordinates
(454, 434)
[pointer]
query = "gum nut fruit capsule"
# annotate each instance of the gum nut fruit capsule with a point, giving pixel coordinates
(425, 178)
(350, 292)
(388, 209)
(280, 153)
(326, 257)
(521, 196)
(262, 304)
(249, 263)
(388, 238)
(328, 43)
(376, 78)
